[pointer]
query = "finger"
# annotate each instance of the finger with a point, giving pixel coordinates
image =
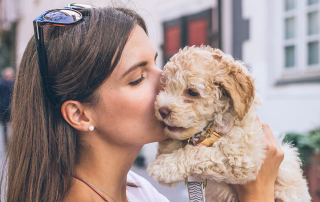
(258, 121)
(267, 131)
(270, 140)
(265, 140)
(271, 144)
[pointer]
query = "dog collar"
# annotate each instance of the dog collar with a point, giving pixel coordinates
(208, 139)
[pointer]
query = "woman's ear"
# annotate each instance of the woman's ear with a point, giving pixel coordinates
(76, 114)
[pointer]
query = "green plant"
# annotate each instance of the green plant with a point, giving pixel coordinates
(307, 144)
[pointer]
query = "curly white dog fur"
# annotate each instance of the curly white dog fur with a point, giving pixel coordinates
(205, 87)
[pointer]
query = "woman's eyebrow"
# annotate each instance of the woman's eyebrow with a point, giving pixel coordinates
(140, 64)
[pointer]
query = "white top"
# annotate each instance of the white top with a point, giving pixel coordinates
(145, 192)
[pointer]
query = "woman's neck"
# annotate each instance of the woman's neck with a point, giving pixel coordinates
(106, 166)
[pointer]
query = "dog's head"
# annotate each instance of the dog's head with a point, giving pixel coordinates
(201, 85)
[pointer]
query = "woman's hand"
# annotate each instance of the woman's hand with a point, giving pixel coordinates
(262, 189)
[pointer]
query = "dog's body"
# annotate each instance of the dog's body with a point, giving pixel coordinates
(205, 87)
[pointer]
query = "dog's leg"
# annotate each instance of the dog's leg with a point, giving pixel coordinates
(168, 146)
(164, 147)
(178, 165)
(206, 162)
(170, 168)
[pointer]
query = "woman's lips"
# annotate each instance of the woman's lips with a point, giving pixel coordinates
(175, 129)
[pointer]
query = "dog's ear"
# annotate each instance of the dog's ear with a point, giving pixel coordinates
(238, 84)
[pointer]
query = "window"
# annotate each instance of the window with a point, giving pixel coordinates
(196, 29)
(299, 34)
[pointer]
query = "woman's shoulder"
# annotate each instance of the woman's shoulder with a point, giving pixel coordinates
(144, 192)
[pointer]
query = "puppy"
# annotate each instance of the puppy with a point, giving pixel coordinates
(207, 90)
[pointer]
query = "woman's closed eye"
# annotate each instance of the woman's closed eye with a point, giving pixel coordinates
(136, 82)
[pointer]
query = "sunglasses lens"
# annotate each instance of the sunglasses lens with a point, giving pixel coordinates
(79, 6)
(63, 16)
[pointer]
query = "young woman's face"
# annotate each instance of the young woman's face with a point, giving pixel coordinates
(125, 112)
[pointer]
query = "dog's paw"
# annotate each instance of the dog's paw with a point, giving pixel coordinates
(164, 174)
(166, 170)
(154, 171)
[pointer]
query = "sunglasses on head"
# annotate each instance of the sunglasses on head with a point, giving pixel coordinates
(67, 16)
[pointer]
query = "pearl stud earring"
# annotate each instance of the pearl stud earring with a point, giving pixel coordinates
(91, 128)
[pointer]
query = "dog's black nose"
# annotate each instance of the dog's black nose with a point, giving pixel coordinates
(164, 112)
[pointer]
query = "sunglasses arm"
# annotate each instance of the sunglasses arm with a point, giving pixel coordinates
(41, 51)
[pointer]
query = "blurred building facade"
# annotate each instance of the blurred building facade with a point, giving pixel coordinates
(278, 40)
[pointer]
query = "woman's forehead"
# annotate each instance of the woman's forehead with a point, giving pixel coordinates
(137, 49)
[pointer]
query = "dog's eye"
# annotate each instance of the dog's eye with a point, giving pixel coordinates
(192, 93)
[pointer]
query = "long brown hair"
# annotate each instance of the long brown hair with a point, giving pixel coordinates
(42, 152)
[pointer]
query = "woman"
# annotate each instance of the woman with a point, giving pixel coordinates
(77, 132)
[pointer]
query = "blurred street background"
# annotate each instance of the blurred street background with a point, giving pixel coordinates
(278, 40)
